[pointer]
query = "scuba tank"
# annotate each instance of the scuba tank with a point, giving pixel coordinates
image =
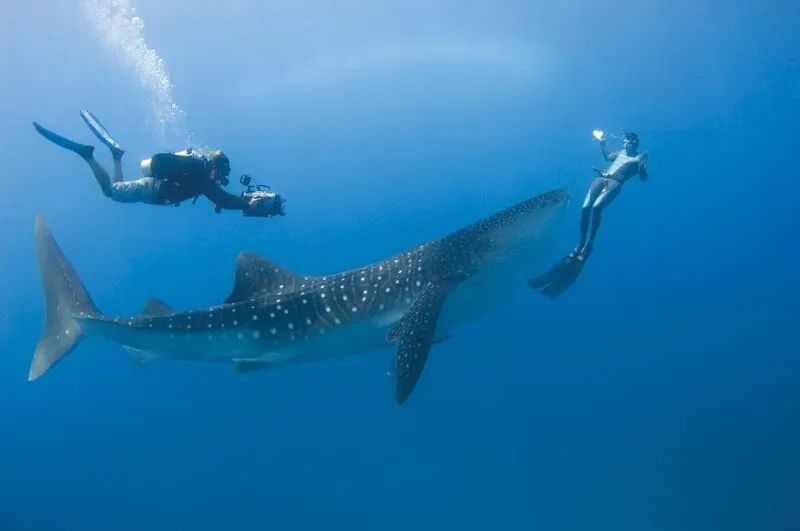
(147, 164)
(146, 170)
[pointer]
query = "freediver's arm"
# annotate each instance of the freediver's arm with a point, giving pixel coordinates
(607, 153)
(643, 175)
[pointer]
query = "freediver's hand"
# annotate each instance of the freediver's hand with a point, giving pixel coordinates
(599, 135)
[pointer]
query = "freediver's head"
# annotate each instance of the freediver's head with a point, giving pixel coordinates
(220, 166)
(631, 142)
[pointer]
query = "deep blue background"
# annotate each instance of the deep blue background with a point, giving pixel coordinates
(660, 393)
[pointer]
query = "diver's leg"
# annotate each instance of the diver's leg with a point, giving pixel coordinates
(85, 151)
(603, 200)
(595, 189)
(144, 190)
(100, 175)
(118, 169)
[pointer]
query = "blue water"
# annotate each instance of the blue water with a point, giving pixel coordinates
(659, 393)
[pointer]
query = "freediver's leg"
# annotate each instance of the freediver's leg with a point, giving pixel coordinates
(605, 198)
(594, 192)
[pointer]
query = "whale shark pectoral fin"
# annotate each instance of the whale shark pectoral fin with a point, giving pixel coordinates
(414, 335)
(156, 308)
(245, 365)
(436, 341)
(256, 275)
(141, 358)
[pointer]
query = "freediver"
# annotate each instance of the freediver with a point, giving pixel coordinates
(625, 164)
(168, 178)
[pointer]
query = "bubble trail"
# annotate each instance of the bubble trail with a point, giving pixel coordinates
(121, 30)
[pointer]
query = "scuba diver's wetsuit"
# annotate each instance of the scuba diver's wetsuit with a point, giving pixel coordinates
(180, 177)
(169, 178)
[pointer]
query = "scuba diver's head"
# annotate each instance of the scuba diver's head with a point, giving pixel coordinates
(220, 166)
(631, 142)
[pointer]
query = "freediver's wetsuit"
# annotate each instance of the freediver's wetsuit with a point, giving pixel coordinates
(605, 188)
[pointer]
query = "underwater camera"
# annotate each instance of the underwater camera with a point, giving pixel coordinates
(268, 202)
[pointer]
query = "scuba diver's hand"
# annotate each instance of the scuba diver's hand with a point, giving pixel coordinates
(263, 204)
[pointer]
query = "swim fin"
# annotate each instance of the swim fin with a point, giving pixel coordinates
(559, 278)
(554, 272)
(101, 133)
(568, 276)
(84, 150)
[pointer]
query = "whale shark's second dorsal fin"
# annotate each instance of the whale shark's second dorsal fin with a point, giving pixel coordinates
(257, 276)
(156, 308)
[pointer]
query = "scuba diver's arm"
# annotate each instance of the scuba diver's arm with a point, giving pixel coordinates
(223, 200)
(643, 175)
(256, 204)
(607, 153)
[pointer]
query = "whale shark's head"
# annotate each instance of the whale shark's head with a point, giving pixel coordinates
(509, 233)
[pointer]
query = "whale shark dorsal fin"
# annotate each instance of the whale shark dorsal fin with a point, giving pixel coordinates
(156, 308)
(414, 334)
(257, 276)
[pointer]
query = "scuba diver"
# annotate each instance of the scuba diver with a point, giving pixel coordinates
(625, 163)
(170, 178)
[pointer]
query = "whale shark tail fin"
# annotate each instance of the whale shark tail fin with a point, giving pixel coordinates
(65, 298)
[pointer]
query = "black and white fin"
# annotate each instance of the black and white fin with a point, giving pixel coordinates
(156, 308)
(414, 335)
(256, 276)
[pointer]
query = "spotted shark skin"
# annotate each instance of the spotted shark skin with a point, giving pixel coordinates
(274, 317)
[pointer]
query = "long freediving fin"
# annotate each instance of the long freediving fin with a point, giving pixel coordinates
(560, 277)
(414, 335)
(100, 132)
(562, 282)
(552, 274)
(84, 150)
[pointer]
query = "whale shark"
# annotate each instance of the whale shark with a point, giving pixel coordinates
(274, 317)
